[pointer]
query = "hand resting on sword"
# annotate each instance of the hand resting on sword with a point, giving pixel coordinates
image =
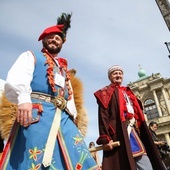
(108, 146)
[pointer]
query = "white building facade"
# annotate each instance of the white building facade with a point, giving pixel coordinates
(154, 92)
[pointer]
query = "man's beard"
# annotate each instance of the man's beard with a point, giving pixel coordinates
(51, 50)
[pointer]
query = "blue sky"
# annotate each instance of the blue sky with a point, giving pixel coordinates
(103, 33)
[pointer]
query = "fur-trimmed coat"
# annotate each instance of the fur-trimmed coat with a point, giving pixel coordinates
(8, 110)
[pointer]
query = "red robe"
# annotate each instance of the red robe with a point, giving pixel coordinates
(113, 126)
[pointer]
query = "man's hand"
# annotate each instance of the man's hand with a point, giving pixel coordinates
(24, 115)
(161, 143)
(108, 146)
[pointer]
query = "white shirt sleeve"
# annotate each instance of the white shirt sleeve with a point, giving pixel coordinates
(17, 87)
(71, 104)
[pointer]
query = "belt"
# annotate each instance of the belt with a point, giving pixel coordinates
(58, 101)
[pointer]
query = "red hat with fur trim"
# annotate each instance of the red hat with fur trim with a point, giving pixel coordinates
(51, 30)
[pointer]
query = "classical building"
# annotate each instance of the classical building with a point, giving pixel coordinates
(154, 92)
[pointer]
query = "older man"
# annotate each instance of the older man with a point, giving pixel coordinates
(44, 135)
(121, 119)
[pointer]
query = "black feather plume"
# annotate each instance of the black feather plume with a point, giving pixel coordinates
(66, 20)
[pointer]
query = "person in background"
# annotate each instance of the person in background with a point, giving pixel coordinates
(120, 118)
(153, 126)
(162, 146)
(95, 154)
(44, 135)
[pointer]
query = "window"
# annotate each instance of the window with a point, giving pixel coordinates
(150, 109)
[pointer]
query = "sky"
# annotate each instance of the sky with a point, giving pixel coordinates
(103, 33)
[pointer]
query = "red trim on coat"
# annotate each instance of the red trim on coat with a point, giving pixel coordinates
(9, 146)
(137, 105)
(112, 129)
(103, 139)
(104, 95)
(121, 104)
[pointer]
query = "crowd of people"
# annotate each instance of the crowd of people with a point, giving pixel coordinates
(45, 134)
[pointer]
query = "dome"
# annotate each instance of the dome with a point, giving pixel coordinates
(141, 73)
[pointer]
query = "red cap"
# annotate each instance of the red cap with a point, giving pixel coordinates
(50, 30)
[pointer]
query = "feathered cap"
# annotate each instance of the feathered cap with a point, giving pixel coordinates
(63, 24)
(114, 68)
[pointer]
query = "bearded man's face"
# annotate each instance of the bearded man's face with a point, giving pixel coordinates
(53, 43)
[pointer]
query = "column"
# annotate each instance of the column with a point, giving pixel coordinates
(166, 100)
(167, 138)
(157, 103)
(168, 89)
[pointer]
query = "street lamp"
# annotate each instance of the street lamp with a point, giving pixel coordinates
(168, 47)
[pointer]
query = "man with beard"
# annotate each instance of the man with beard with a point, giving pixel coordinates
(44, 135)
(121, 119)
